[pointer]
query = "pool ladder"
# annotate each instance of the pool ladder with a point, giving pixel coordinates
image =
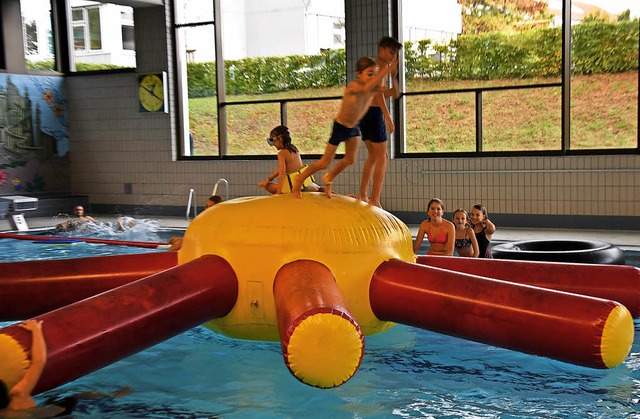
(192, 207)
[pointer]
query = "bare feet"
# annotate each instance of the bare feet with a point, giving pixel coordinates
(363, 198)
(296, 188)
(327, 184)
(375, 204)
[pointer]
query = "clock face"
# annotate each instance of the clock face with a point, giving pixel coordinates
(151, 93)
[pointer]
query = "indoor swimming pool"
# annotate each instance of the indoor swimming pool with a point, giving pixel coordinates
(405, 373)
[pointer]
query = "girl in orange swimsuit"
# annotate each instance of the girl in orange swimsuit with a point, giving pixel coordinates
(440, 232)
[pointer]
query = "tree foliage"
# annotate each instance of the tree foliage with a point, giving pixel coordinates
(481, 16)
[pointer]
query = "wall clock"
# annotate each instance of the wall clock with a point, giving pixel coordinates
(152, 93)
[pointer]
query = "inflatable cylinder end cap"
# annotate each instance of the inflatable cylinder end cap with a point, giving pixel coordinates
(325, 350)
(13, 360)
(617, 337)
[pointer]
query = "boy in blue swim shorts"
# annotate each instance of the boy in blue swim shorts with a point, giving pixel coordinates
(356, 100)
(377, 122)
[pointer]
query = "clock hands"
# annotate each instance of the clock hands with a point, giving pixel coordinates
(151, 91)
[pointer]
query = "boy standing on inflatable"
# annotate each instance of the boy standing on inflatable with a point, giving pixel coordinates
(377, 123)
(356, 100)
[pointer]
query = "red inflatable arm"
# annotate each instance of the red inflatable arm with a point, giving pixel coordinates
(92, 333)
(573, 328)
(35, 287)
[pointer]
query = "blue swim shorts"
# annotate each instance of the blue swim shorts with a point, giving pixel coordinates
(373, 127)
(340, 133)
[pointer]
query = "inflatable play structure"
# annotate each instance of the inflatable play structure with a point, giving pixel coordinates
(316, 275)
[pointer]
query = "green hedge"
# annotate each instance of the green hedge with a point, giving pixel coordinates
(598, 47)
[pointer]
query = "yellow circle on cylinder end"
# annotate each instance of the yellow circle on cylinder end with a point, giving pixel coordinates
(13, 361)
(325, 350)
(617, 337)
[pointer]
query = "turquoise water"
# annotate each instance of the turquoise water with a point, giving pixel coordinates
(405, 373)
(147, 231)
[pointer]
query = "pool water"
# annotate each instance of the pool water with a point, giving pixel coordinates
(405, 373)
(147, 231)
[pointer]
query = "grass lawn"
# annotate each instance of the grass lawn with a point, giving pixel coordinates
(604, 115)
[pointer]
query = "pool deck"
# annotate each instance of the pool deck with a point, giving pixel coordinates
(626, 238)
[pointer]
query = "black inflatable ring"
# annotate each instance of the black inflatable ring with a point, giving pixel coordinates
(572, 251)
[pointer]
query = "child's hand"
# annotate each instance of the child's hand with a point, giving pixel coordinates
(389, 125)
(31, 325)
(393, 65)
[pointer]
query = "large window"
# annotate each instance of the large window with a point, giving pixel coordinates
(485, 76)
(279, 61)
(479, 77)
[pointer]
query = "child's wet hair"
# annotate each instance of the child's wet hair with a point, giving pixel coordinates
(482, 209)
(435, 200)
(364, 63)
(283, 132)
(389, 42)
(466, 214)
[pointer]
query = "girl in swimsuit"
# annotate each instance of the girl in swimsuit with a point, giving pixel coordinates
(289, 164)
(440, 232)
(465, 243)
(483, 229)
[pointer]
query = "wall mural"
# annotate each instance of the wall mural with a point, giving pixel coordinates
(34, 139)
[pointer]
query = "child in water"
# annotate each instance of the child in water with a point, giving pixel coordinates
(483, 229)
(439, 232)
(465, 244)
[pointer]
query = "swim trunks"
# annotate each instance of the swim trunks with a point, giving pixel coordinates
(373, 127)
(288, 184)
(340, 133)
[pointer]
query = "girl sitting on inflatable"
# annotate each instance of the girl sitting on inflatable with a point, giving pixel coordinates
(289, 165)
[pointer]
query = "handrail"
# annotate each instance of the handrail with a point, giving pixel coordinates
(226, 185)
(192, 199)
